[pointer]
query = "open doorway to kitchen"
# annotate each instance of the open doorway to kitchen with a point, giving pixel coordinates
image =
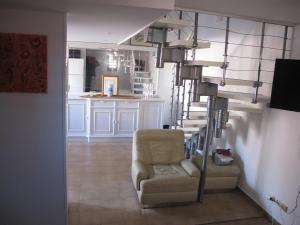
(100, 129)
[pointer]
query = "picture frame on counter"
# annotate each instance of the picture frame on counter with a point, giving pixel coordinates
(110, 80)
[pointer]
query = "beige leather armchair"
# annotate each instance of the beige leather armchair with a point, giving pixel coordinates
(160, 173)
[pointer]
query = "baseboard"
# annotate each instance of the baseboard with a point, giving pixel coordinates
(110, 139)
(100, 139)
(77, 139)
(267, 215)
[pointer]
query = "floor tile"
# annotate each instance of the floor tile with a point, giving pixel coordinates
(100, 192)
(89, 218)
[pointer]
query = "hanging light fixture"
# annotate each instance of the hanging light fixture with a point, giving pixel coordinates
(112, 63)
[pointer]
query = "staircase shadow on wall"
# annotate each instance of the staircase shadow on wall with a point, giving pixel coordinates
(242, 137)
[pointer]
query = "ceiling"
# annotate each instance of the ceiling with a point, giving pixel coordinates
(109, 24)
(285, 12)
(114, 21)
(103, 21)
(70, 5)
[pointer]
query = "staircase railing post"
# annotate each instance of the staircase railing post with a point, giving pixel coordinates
(178, 81)
(182, 104)
(189, 100)
(260, 61)
(172, 98)
(208, 138)
(177, 106)
(284, 41)
(225, 65)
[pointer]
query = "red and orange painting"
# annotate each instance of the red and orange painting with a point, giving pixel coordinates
(23, 63)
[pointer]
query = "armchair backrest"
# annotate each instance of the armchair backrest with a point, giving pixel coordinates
(158, 146)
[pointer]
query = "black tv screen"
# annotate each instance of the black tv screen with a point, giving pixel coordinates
(286, 85)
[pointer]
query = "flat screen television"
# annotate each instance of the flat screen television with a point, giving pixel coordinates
(286, 85)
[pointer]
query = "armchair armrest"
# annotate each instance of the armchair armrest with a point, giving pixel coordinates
(138, 173)
(190, 168)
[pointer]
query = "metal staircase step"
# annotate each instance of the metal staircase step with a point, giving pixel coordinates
(203, 63)
(197, 109)
(172, 23)
(194, 123)
(187, 136)
(234, 106)
(137, 89)
(188, 130)
(230, 81)
(200, 115)
(197, 115)
(197, 123)
(147, 72)
(188, 44)
(243, 96)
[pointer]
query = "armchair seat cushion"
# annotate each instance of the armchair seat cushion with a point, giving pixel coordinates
(168, 179)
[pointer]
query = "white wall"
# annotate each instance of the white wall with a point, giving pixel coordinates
(32, 132)
(267, 144)
(268, 151)
(165, 77)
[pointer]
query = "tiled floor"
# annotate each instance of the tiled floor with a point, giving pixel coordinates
(101, 193)
(251, 221)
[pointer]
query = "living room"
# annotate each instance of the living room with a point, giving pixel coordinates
(33, 152)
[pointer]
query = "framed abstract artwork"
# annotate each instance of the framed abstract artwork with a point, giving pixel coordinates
(23, 63)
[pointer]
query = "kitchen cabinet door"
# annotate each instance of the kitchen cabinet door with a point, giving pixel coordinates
(126, 122)
(102, 120)
(76, 118)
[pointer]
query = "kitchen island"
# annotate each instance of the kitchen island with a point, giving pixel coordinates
(96, 117)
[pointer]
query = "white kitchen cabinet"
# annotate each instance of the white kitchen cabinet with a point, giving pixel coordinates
(152, 115)
(126, 121)
(126, 118)
(111, 118)
(102, 122)
(97, 118)
(76, 118)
